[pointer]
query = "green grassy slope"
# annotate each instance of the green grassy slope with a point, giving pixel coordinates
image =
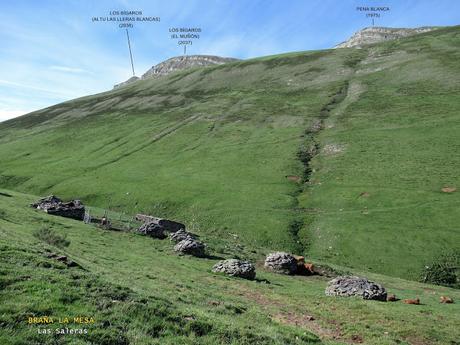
(212, 147)
(139, 292)
(399, 141)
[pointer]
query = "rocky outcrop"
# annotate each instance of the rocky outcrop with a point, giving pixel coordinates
(281, 262)
(181, 235)
(183, 62)
(236, 268)
(152, 230)
(129, 81)
(190, 247)
(178, 63)
(372, 35)
(53, 205)
(168, 225)
(355, 286)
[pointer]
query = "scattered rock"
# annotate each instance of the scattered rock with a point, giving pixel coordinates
(190, 247)
(236, 268)
(332, 149)
(281, 262)
(181, 235)
(53, 205)
(356, 286)
(449, 189)
(152, 230)
(71, 263)
(357, 339)
(61, 258)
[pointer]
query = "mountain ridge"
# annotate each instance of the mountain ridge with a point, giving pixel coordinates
(179, 63)
(371, 35)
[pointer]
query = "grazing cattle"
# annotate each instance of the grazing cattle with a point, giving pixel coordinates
(412, 301)
(310, 267)
(104, 221)
(391, 298)
(445, 299)
(300, 259)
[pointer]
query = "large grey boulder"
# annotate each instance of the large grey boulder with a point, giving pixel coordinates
(168, 225)
(152, 230)
(281, 262)
(181, 235)
(356, 286)
(190, 247)
(236, 268)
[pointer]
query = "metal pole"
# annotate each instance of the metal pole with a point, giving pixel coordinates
(130, 53)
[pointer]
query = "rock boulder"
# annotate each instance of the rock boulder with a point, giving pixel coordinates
(190, 247)
(281, 262)
(236, 268)
(355, 286)
(181, 235)
(152, 230)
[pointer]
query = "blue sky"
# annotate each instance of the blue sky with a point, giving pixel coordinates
(51, 51)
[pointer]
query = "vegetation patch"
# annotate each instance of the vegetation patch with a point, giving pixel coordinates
(51, 237)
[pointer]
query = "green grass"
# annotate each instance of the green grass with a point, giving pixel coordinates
(212, 148)
(139, 292)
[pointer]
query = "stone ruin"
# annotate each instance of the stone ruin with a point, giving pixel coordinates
(355, 286)
(281, 262)
(53, 205)
(236, 268)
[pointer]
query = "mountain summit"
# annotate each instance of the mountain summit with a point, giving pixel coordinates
(179, 63)
(379, 34)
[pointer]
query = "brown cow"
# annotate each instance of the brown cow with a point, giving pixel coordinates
(310, 267)
(412, 301)
(391, 298)
(445, 299)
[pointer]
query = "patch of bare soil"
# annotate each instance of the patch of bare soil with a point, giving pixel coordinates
(296, 179)
(294, 318)
(449, 189)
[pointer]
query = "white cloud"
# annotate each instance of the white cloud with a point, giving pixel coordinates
(37, 88)
(68, 69)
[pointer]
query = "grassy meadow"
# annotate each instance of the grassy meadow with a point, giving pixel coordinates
(338, 155)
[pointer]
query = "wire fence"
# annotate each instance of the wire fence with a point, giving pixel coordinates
(110, 219)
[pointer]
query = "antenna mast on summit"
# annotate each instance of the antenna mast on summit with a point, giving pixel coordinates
(130, 53)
